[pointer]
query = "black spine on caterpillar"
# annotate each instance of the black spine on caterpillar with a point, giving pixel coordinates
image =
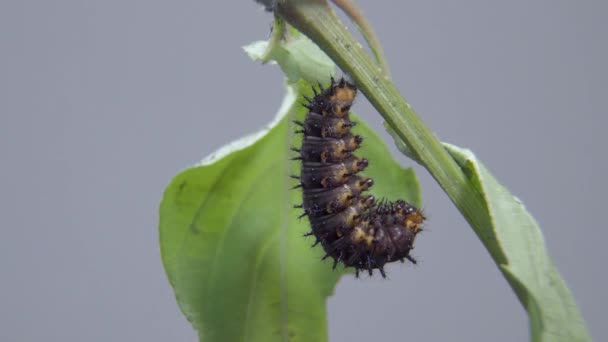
(350, 225)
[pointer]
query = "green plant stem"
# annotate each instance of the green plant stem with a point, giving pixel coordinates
(316, 20)
(350, 8)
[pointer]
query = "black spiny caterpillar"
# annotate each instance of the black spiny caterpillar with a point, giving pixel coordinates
(351, 226)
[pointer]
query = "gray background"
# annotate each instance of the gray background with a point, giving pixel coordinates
(102, 102)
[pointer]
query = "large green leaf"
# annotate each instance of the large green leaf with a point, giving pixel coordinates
(231, 243)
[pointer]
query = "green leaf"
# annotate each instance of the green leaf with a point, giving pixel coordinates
(515, 241)
(516, 244)
(232, 245)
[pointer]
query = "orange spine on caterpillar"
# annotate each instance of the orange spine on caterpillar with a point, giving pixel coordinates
(351, 226)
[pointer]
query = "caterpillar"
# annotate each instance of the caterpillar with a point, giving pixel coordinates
(351, 226)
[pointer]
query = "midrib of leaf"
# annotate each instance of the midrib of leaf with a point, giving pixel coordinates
(199, 210)
(284, 225)
(221, 244)
(222, 176)
(282, 236)
(281, 231)
(253, 286)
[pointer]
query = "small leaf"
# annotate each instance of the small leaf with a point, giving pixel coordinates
(232, 245)
(516, 244)
(515, 241)
(297, 56)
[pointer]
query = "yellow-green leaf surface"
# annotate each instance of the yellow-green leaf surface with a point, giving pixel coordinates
(231, 243)
(515, 241)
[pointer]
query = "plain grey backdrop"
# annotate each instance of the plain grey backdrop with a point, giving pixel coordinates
(102, 102)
